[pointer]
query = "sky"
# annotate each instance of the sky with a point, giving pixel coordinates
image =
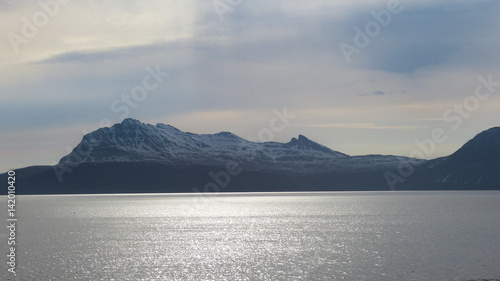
(361, 77)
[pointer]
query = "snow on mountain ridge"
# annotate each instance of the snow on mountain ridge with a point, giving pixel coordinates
(134, 141)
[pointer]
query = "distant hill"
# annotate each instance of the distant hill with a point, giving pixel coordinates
(476, 165)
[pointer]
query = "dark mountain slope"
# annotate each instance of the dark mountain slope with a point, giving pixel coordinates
(476, 165)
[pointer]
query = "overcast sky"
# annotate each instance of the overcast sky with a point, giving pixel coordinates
(355, 84)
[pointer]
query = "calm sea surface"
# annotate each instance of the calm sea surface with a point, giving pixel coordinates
(264, 236)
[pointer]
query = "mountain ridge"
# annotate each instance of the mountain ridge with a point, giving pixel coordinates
(132, 156)
(134, 141)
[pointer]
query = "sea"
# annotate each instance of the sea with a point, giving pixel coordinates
(421, 235)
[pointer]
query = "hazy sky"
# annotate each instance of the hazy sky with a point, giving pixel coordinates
(361, 77)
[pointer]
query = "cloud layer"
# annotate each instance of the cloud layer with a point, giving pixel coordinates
(229, 74)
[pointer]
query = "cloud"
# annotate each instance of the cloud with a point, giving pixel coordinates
(264, 54)
(376, 93)
(95, 25)
(363, 126)
(426, 35)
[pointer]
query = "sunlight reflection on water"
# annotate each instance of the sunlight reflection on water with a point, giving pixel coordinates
(289, 236)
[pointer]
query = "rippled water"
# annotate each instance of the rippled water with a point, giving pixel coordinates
(287, 236)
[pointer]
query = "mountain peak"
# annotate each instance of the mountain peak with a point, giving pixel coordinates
(302, 138)
(131, 121)
(492, 130)
(491, 135)
(304, 143)
(485, 145)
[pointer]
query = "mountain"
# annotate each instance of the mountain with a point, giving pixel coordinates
(135, 157)
(134, 142)
(476, 165)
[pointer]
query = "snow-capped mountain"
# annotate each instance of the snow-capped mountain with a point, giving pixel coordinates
(132, 157)
(133, 141)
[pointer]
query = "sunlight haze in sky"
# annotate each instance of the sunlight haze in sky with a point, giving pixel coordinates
(361, 77)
